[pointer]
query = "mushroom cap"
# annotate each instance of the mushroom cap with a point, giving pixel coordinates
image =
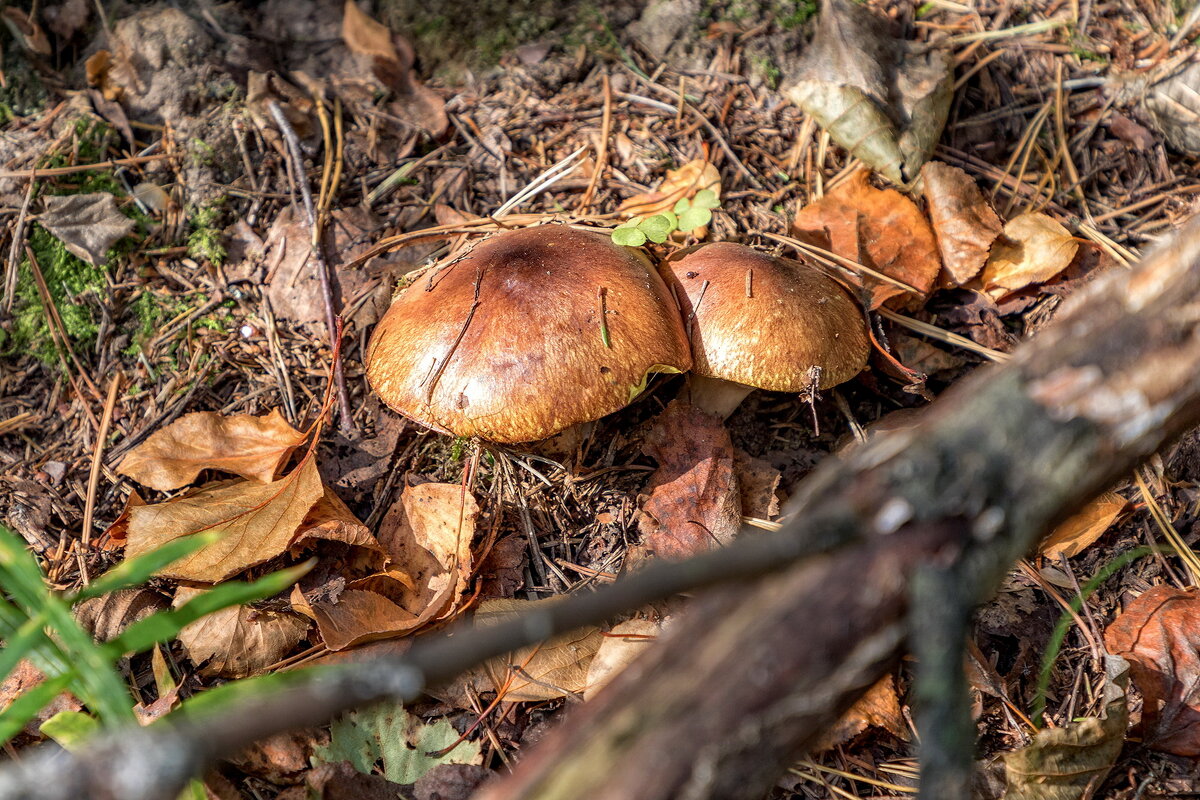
(507, 342)
(765, 321)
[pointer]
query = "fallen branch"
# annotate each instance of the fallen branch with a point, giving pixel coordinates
(751, 674)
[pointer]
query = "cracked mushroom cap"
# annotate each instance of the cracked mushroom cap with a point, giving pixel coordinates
(765, 321)
(529, 333)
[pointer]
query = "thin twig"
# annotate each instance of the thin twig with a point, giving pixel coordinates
(323, 272)
(89, 508)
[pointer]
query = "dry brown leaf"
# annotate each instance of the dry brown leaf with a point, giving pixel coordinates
(694, 502)
(427, 537)
(878, 228)
(253, 447)
(330, 518)
(621, 645)
(1074, 535)
(680, 183)
(238, 641)
(1033, 249)
(553, 669)
(758, 482)
(964, 223)
(392, 62)
(258, 521)
(1070, 763)
(106, 617)
(117, 532)
(1157, 634)
(883, 99)
(878, 708)
(87, 224)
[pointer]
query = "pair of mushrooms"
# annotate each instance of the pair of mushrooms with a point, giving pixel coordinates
(539, 329)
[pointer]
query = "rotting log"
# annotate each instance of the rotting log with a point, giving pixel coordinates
(998, 461)
(740, 686)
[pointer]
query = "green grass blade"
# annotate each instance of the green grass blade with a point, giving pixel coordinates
(29, 703)
(97, 684)
(166, 625)
(136, 571)
(21, 644)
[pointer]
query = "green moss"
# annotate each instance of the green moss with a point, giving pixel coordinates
(24, 92)
(67, 278)
(205, 239)
(765, 67)
(795, 14)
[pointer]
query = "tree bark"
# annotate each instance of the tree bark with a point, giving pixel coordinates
(750, 675)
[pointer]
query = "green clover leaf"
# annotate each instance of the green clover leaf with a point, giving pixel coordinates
(694, 217)
(657, 228)
(628, 236)
(705, 198)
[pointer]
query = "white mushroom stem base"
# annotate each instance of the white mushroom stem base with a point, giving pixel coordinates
(715, 395)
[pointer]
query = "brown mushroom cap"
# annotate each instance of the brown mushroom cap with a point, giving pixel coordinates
(507, 342)
(765, 321)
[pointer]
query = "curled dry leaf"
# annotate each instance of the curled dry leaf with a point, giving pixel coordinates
(331, 519)
(117, 532)
(238, 641)
(1157, 634)
(1073, 536)
(879, 97)
(878, 708)
(392, 63)
(106, 617)
(427, 539)
(680, 184)
(964, 223)
(1071, 762)
(1170, 96)
(88, 224)
(258, 521)
(1033, 249)
(878, 228)
(547, 671)
(694, 503)
(758, 483)
(620, 646)
(253, 447)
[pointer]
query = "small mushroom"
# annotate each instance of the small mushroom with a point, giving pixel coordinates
(531, 332)
(759, 321)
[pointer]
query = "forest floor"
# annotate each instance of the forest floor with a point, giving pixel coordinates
(205, 297)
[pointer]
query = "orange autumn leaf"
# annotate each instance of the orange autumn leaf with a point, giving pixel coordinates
(679, 184)
(238, 641)
(257, 522)
(878, 708)
(879, 228)
(1074, 535)
(253, 447)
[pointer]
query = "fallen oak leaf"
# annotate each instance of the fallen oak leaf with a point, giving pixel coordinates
(1032, 249)
(878, 228)
(332, 519)
(256, 522)
(547, 671)
(1157, 634)
(1078, 532)
(694, 503)
(245, 445)
(238, 641)
(964, 223)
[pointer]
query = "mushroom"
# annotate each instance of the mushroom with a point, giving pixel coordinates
(759, 321)
(531, 332)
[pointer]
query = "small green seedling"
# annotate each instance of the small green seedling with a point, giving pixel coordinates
(687, 215)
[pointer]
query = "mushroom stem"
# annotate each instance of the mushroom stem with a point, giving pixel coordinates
(715, 395)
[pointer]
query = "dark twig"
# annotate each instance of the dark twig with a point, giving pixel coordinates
(327, 291)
